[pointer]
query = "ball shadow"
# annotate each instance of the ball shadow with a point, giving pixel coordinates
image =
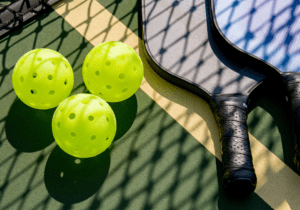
(71, 180)
(28, 129)
(125, 112)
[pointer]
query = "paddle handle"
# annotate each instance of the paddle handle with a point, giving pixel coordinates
(293, 94)
(239, 177)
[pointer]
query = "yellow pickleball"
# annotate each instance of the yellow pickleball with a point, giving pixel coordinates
(113, 71)
(42, 78)
(84, 125)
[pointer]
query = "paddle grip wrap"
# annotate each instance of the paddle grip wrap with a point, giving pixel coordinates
(238, 173)
(293, 93)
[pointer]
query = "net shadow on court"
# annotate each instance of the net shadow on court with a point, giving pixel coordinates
(153, 164)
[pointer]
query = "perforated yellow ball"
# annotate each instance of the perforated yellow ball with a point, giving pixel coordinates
(113, 71)
(42, 78)
(84, 125)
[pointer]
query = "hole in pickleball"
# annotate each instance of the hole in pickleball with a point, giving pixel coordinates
(108, 86)
(73, 134)
(50, 77)
(22, 79)
(58, 124)
(72, 116)
(107, 119)
(100, 104)
(107, 137)
(66, 65)
(62, 174)
(54, 62)
(91, 118)
(108, 63)
(124, 90)
(85, 101)
(93, 137)
(87, 65)
(66, 82)
(39, 58)
(77, 161)
(33, 91)
(97, 73)
(121, 76)
(52, 92)
(34, 75)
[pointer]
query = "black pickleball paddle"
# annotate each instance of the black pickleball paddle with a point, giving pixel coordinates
(175, 38)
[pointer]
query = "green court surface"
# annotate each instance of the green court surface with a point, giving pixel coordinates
(154, 162)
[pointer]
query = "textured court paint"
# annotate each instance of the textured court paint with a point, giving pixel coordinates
(25, 171)
(125, 11)
(268, 29)
(156, 165)
(263, 158)
(94, 21)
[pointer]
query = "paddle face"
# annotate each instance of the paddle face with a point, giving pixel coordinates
(175, 35)
(267, 29)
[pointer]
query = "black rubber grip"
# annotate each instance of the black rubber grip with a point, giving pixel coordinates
(239, 177)
(293, 93)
